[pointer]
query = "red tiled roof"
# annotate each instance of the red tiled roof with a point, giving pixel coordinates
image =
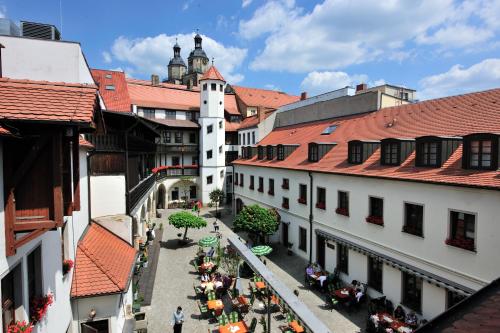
(451, 116)
(232, 126)
(174, 122)
(249, 122)
(230, 105)
(117, 99)
(84, 143)
(262, 97)
(104, 263)
(47, 101)
(212, 74)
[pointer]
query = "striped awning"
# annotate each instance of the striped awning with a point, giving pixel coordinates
(398, 264)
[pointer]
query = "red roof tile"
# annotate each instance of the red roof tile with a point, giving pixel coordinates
(84, 143)
(116, 99)
(248, 122)
(104, 263)
(212, 74)
(232, 126)
(47, 101)
(262, 97)
(451, 116)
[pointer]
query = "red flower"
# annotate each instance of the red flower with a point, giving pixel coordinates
(301, 200)
(285, 205)
(39, 307)
(466, 244)
(342, 211)
(375, 220)
(20, 327)
(321, 205)
(67, 266)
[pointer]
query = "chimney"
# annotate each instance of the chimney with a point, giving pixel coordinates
(155, 80)
(361, 87)
(303, 95)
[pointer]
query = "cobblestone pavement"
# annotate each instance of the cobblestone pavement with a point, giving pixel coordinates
(175, 277)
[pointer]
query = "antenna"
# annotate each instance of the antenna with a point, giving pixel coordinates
(60, 17)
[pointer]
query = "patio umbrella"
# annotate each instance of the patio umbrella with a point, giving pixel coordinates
(208, 241)
(262, 250)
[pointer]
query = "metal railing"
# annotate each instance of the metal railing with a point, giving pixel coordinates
(137, 192)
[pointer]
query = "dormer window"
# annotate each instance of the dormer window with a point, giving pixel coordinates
(481, 152)
(395, 151)
(316, 151)
(329, 130)
(270, 152)
(283, 151)
(260, 153)
(356, 153)
(280, 153)
(313, 152)
(429, 153)
(433, 151)
(359, 151)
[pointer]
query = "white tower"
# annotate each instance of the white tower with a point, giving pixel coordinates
(212, 133)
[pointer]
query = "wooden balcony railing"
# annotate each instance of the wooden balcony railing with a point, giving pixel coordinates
(108, 142)
(176, 171)
(138, 191)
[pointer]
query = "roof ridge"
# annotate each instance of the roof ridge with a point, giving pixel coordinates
(48, 83)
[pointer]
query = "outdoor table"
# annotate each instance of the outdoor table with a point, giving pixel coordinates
(215, 305)
(275, 300)
(207, 265)
(395, 324)
(209, 286)
(294, 325)
(343, 293)
(242, 300)
(238, 327)
(260, 285)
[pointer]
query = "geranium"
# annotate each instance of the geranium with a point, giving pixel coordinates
(20, 327)
(67, 266)
(375, 220)
(39, 307)
(342, 211)
(467, 244)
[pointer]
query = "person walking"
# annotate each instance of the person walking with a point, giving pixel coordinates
(178, 320)
(216, 226)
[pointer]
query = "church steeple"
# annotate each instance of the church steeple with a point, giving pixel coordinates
(197, 41)
(176, 66)
(177, 49)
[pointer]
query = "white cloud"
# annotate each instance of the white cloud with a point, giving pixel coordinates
(271, 86)
(149, 55)
(3, 11)
(339, 33)
(106, 57)
(246, 3)
(316, 83)
(186, 5)
(459, 79)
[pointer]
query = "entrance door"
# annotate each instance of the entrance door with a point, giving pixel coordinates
(98, 326)
(284, 230)
(175, 193)
(320, 251)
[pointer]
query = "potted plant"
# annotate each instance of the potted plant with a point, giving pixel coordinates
(67, 266)
(20, 327)
(342, 211)
(39, 307)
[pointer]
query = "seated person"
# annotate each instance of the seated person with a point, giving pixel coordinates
(218, 284)
(309, 270)
(354, 283)
(316, 268)
(322, 279)
(412, 319)
(205, 277)
(211, 252)
(400, 313)
(358, 294)
(209, 287)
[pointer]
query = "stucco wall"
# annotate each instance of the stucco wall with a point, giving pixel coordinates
(107, 195)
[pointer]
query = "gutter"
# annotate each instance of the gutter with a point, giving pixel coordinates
(311, 217)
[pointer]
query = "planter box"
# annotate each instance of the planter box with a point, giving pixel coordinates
(342, 211)
(466, 244)
(375, 220)
(321, 205)
(286, 206)
(302, 201)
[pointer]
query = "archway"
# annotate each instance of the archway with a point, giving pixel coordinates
(180, 192)
(161, 197)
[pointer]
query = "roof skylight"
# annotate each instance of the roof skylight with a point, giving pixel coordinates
(329, 130)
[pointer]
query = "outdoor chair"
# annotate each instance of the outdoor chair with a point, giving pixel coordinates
(234, 317)
(289, 317)
(252, 299)
(331, 302)
(253, 325)
(211, 296)
(203, 310)
(253, 290)
(197, 290)
(196, 267)
(223, 319)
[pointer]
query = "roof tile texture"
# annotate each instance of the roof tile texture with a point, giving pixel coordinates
(117, 99)
(212, 74)
(262, 97)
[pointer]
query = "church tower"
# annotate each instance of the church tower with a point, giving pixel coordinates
(197, 63)
(212, 133)
(176, 66)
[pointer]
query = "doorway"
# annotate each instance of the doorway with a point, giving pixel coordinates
(320, 250)
(175, 193)
(284, 230)
(98, 326)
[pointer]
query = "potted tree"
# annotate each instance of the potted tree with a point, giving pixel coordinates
(259, 222)
(216, 197)
(186, 220)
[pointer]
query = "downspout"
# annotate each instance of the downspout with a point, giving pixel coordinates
(310, 216)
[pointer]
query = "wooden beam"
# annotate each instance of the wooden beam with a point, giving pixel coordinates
(28, 226)
(26, 238)
(57, 179)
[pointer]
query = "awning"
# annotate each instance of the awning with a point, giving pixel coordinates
(402, 266)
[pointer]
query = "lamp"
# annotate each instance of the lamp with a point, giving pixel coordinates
(92, 314)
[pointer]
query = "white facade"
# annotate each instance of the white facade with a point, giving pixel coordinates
(212, 138)
(470, 269)
(108, 195)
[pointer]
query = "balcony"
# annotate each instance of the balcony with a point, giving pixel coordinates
(138, 191)
(178, 148)
(107, 142)
(176, 171)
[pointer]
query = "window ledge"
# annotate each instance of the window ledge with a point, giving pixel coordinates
(412, 234)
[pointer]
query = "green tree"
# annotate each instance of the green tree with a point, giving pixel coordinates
(185, 185)
(216, 197)
(257, 221)
(186, 220)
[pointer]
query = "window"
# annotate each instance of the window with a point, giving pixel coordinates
(222, 174)
(148, 113)
(261, 184)
(194, 160)
(414, 215)
(108, 76)
(110, 87)
(453, 298)
(302, 194)
(178, 137)
(35, 287)
(242, 177)
(192, 192)
(390, 154)
(213, 86)
(205, 86)
(220, 149)
(209, 154)
(192, 137)
(375, 267)
(342, 203)
(356, 153)
(239, 139)
(170, 114)
(221, 87)
(342, 258)
(480, 154)
(329, 130)
(252, 178)
(220, 124)
(376, 215)
(236, 178)
(260, 151)
(176, 160)
(270, 191)
(248, 137)
(244, 143)
(303, 239)
(210, 180)
(428, 154)
(253, 137)
(313, 152)
(204, 101)
(270, 152)
(280, 152)
(412, 292)
(210, 129)
(462, 230)
(167, 137)
(320, 198)
(285, 185)
(285, 203)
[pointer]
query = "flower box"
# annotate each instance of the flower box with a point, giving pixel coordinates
(378, 220)
(321, 205)
(39, 307)
(285, 205)
(466, 244)
(20, 327)
(260, 189)
(67, 266)
(302, 201)
(251, 187)
(342, 211)
(270, 192)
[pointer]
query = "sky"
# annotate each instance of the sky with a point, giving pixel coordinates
(439, 48)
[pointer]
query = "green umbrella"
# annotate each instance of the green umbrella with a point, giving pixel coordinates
(262, 250)
(208, 241)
